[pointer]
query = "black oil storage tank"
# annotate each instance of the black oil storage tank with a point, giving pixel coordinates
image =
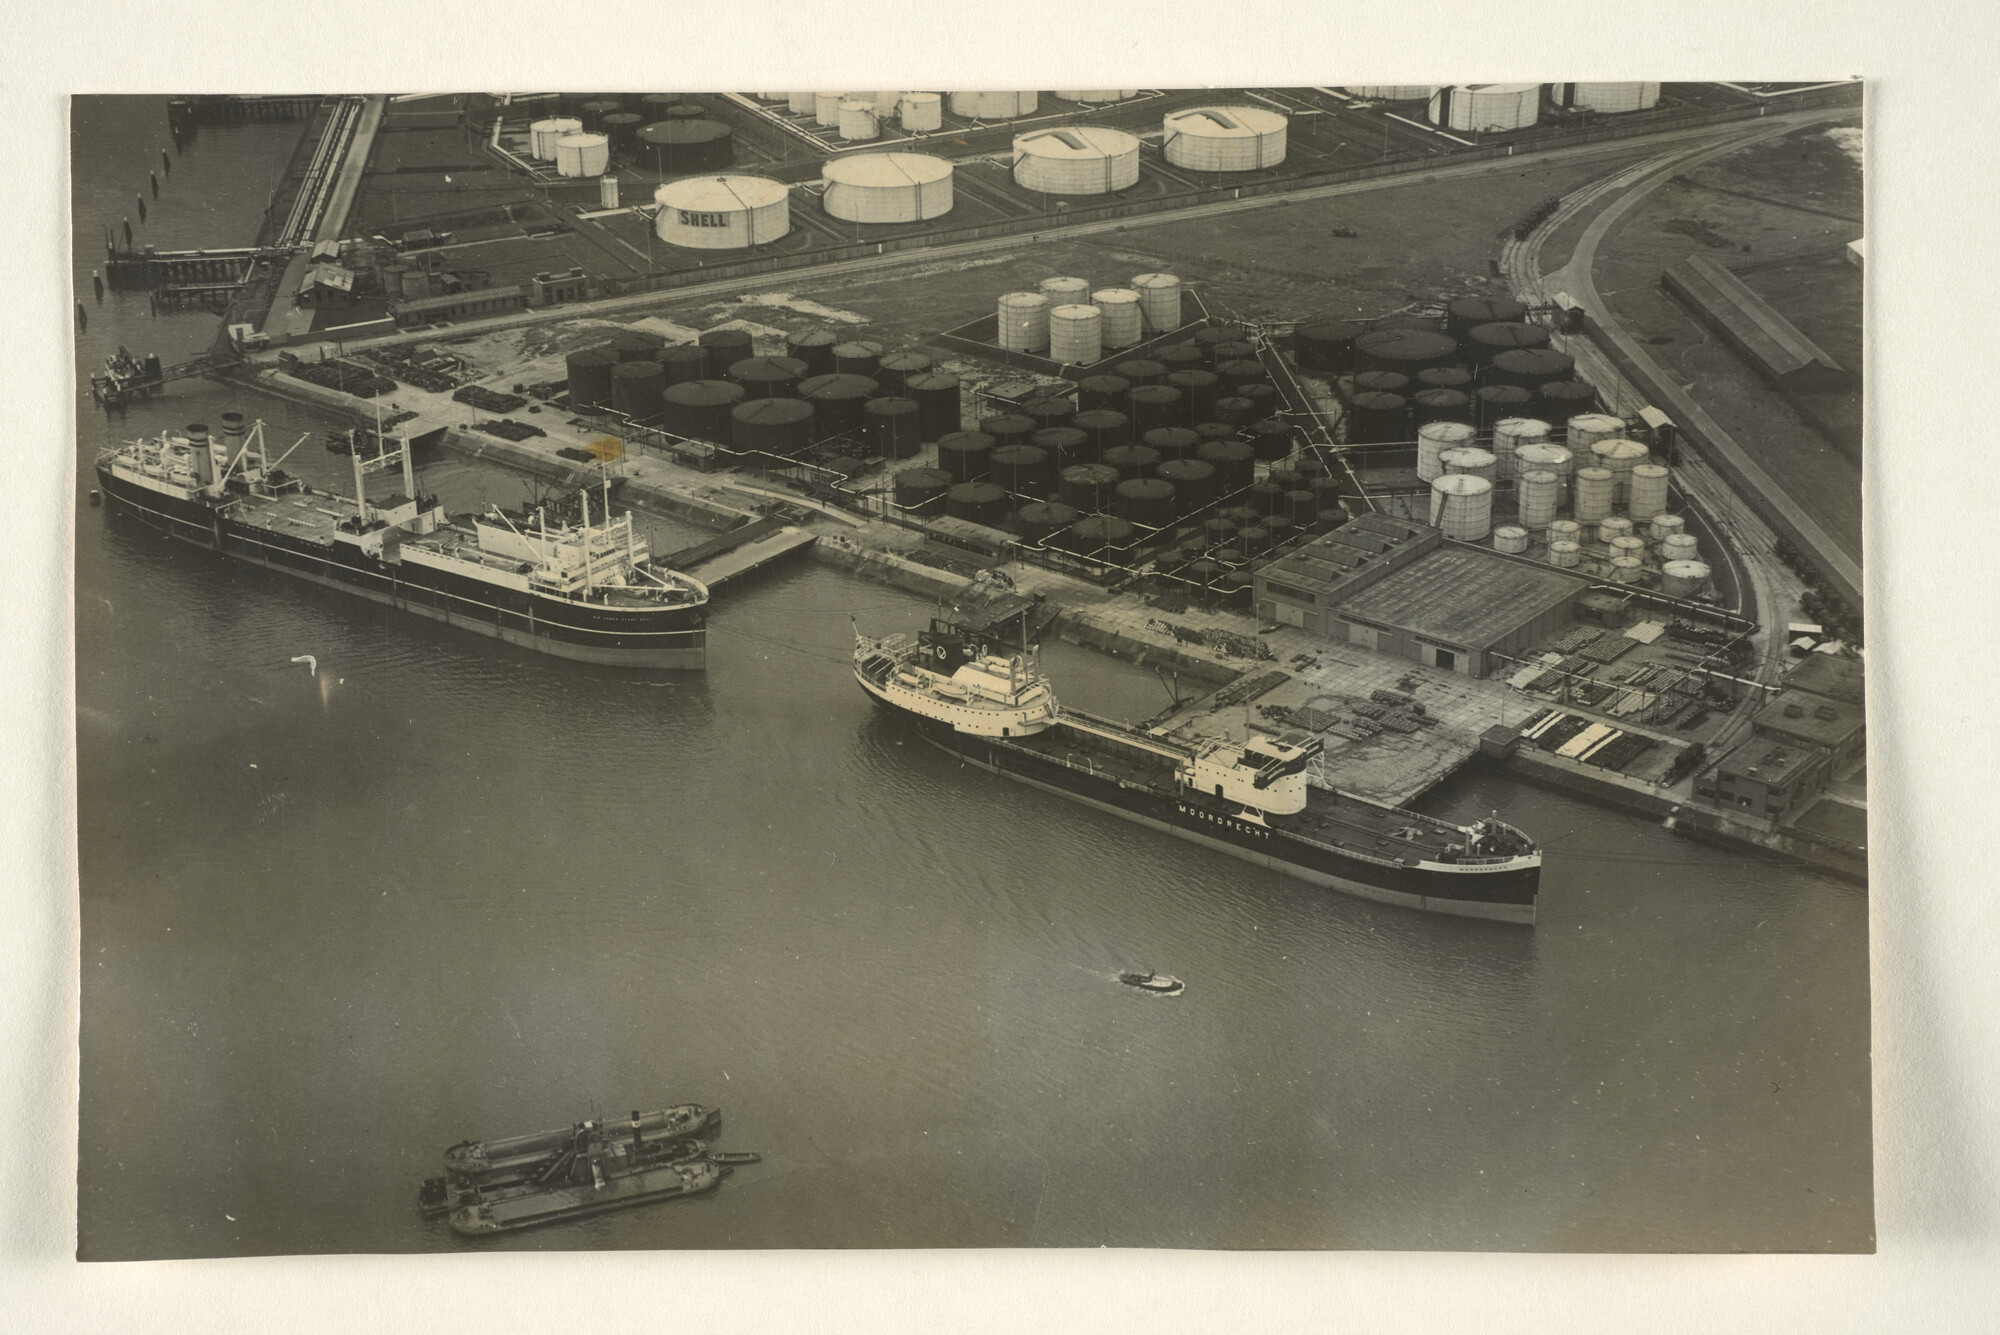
(1406, 350)
(590, 378)
(857, 356)
(837, 401)
(1065, 445)
(1240, 372)
(814, 347)
(725, 347)
(1144, 501)
(1132, 461)
(1042, 520)
(768, 377)
(1564, 399)
(684, 146)
(1181, 357)
(1155, 405)
(893, 372)
(1373, 418)
(1381, 382)
(1102, 391)
(1530, 368)
(1461, 317)
(777, 430)
(622, 129)
(1271, 438)
(1441, 405)
(936, 394)
(635, 345)
(1484, 342)
(635, 391)
(922, 489)
(1172, 442)
(1194, 485)
(1022, 469)
(964, 455)
(978, 503)
(1234, 461)
(1496, 403)
(1105, 428)
(1137, 371)
(1445, 377)
(1103, 538)
(683, 361)
(1326, 346)
(1008, 428)
(1048, 410)
(1199, 391)
(1234, 411)
(891, 428)
(699, 409)
(1088, 487)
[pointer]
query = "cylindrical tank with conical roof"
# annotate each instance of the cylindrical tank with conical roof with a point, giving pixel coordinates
(579, 155)
(1683, 579)
(1159, 301)
(1625, 569)
(699, 409)
(1066, 445)
(1530, 368)
(1477, 462)
(1628, 547)
(1132, 461)
(590, 378)
(1392, 92)
(1199, 391)
(994, 106)
(1483, 107)
(1042, 520)
(798, 104)
(1560, 400)
(1462, 506)
(1441, 405)
(965, 455)
(857, 356)
(1146, 501)
(1534, 455)
(1023, 321)
(635, 391)
(1382, 382)
(722, 212)
(634, 345)
(1102, 392)
(777, 429)
(725, 347)
(1233, 411)
(1076, 334)
(1511, 539)
(1105, 428)
(1433, 439)
(1022, 469)
(1620, 456)
(1194, 484)
(1326, 346)
(1088, 487)
(1510, 434)
(1679, 547)
(1609, 98)
(826, 109)
(920, 111)
(1406, 351)
(595, 110)
(887, 187)
(978, 503)
(1064, 290)
(683, 361)
(1185, 356)
(768, 377)
(894, 369)
(856, 120)
(1446, 377)
(1537, 494)
(837, 401)
(1613, 527)
(543, 134)
(1494, 404)
(1461, 317)
(1137, 371)
(622, 129)
(1272, 438)
(1565, 553)
(1076, 160)
(1482, 343)
(922, 489)
(1664, 526)
(1593, 495)
(1047, 410)
(1172, 442)
(1565, 530)
(1224, 139)
(1122, 323)
(891, 427)
(1583, 430)
(1007, 428)
(1240, 372)
(1374, 418)
(937, 397)
(1154, 405)
(814, 347)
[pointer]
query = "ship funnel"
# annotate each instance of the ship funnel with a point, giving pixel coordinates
(209, 460)
(233, 438)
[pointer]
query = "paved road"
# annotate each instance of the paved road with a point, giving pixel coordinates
(1578, 280)
(1447, 171)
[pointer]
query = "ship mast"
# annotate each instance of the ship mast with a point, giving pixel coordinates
(583, 496)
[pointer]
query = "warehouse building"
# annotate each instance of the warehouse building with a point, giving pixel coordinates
(1765, 778)
(1810, 732)
(1395, 586)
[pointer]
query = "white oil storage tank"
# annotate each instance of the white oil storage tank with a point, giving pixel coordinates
(1593, 495)
(1683, 579)
(582, 155)
(1649, 492)
(826, 109)
(1122, 323)
(1159, 301)
(1665, 526)
(921, 111)
(1394, 92)
(1679, 547)
(1434, 439)
(1621, 456)
(1076, 160)
(722, 212)
(1099, 95)
(1510, 434)
(1537, 494)
(1462, 506)
(1486, 106)
(1024, 321)
(1064, 290)
(542, 135)
(801, 104)
(1075, 334)
(1566, 554)
(994, 106)
(1224, 139)
(1606, 97)
(1586, 429)
(887, 187)
(1511, 539)
(857, 119)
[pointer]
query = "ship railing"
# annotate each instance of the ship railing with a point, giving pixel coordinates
(1121, 731)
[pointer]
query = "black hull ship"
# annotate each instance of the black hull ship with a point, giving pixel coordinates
(1252, 799)
(566, 580)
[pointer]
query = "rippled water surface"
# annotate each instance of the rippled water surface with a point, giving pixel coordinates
(446, 888)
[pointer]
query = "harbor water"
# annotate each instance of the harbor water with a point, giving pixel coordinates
(443, 888)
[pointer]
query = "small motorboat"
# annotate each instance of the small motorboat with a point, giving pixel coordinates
(734, 1156)
(1149, 981)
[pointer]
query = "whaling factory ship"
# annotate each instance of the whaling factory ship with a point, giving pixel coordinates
(554, 578)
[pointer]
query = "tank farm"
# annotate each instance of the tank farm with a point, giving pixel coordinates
(1443, 529)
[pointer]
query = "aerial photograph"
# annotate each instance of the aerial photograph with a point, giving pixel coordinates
(1255, 668)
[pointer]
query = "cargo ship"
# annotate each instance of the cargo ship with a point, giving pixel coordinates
(568, 580)
(587, 1169)
(1253, 799)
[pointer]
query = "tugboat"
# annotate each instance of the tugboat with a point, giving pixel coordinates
(992, 707)
(583, 589)
(1154, 982)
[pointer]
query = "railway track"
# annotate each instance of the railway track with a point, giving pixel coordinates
(321, 174)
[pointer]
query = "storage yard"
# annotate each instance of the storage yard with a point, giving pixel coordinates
(1302, 454)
